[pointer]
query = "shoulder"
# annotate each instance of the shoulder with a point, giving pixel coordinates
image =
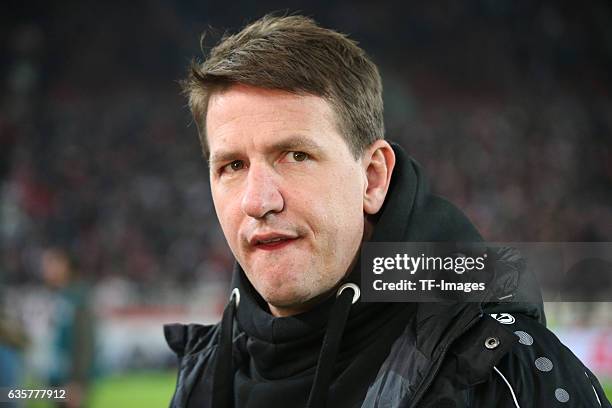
(194, 345)
(540, 371)
(186, 339)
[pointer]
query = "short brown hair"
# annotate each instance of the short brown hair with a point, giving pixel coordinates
(294, 54)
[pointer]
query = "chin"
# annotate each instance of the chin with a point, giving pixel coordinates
(286, 298)
(278, 283)
(295, 297)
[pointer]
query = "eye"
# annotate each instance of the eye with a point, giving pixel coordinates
(237, 165)
(297, 156)
(233, 166)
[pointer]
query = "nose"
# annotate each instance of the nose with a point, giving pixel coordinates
(262, 195)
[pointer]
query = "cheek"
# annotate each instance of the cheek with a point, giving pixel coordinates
(339, 209)
(349, 192)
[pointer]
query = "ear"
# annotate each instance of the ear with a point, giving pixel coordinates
(378, 161)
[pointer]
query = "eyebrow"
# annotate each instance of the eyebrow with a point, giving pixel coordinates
(291, 143)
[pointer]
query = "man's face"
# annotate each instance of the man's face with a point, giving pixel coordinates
(287, 191)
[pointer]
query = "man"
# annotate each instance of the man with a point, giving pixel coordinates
(73, 333)
(290, 117)
(13, 341)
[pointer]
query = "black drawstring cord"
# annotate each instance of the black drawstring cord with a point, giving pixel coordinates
(331, 344)
(223, 380)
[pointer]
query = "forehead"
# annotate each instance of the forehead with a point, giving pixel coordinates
(243, 114)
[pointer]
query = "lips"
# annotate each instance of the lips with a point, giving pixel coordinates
(271, 241)
(275, 245)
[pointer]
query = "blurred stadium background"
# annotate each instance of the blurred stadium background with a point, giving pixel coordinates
(106, 223)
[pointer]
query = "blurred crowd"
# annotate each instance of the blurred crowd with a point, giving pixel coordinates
(506, 104)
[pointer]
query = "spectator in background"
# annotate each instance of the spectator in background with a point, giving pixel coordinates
(13, 341)
(72, 332)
